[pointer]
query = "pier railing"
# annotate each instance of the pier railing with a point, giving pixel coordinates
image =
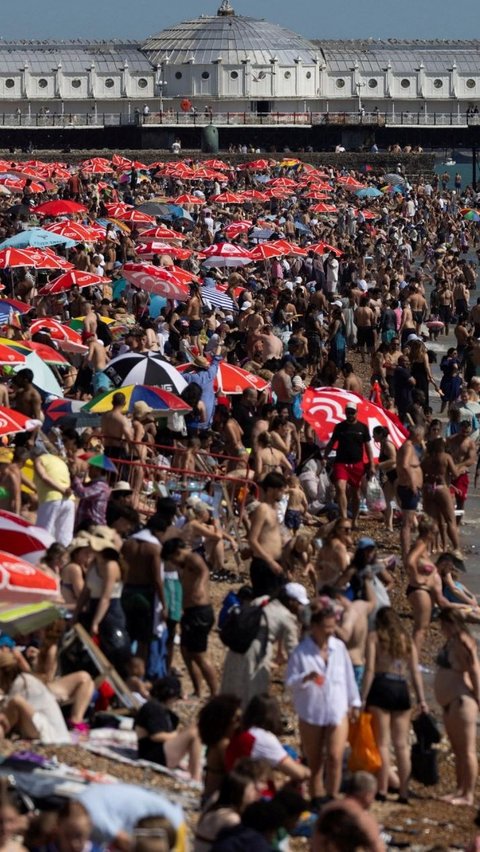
(171, 118)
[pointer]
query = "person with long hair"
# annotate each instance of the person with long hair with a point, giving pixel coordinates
(438, 468)
(390, 656)
(457, 690)
(30, 708)
(258, 737)
(160, 739)
(336, 552)
(99, 606)
(73, 573)
(321, 677)
(224, 811)
(424, 583)
(218, 720)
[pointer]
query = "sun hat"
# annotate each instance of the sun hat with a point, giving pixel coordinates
(141, 409)
(80, 540)
(122, 487)
(104, 538)
(201, 362)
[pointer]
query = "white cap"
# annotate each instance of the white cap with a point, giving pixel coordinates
(412, 337)
(298, 280)
(351, 406)
(297, 592)
(338, 303)
(246, 306)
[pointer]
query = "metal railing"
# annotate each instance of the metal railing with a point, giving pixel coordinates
(171, 118)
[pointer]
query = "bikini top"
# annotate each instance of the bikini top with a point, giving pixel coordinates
(443, 659)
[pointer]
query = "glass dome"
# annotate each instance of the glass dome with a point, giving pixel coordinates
(228, 38)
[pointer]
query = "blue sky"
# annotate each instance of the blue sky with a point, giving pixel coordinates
(136, 19)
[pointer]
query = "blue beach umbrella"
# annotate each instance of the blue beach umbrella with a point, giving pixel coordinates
(37, 238)
(368, 192)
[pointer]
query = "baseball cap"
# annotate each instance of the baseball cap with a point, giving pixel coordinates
(351, 406)
(297, 592)
(365, 542)
(246, 306)
(412, 337)
(298, 280)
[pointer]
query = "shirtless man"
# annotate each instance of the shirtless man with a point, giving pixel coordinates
(143, 586)
(89, 322)
(419, 308)
(463, 450)
(195, 322)
(364, 318)
(272, 346)
(27, 399)
(198, 616)
(461, 296)
(409, 485)
(266, 572)
(116, 428)
(353, 626)
(445, 300)
(97, 359)
(352, 382)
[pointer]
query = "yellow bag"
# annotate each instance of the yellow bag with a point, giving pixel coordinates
(364, 754)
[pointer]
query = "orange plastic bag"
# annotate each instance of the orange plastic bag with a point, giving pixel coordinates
(364, 754)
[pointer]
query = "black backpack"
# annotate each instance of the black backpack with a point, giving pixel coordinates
(241, 625)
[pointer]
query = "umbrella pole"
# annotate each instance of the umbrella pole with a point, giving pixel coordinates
(231, 514)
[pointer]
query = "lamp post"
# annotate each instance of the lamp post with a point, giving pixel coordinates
(161, 82)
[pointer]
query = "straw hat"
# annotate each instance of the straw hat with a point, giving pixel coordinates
(141, 409)
(201, 362)
(80, 540)
(104, 538)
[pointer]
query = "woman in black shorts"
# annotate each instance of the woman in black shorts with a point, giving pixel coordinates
(390, 655)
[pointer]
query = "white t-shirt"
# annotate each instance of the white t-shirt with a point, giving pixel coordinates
(47, 716)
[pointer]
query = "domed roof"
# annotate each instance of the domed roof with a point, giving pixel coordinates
(230, 38)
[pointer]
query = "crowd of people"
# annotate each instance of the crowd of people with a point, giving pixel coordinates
(229, 524)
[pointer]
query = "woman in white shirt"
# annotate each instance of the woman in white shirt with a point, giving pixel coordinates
(29, 707)
(320, 675)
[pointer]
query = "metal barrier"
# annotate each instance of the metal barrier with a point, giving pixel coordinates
(166, 480)
(173, 118)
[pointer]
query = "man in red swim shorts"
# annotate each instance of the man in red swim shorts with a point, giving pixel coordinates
(351, 437)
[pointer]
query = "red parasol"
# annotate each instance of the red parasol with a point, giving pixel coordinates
(324, 248)
(12, 422)
(21, 582)
(156, 280)
(228, 198)
(156, 247)
(21, 538)
(60, 207)
(323, 408)
(233, 380)
(58, 331)
(162, 233)
(264, 251)
(75, 278)
(135, 216)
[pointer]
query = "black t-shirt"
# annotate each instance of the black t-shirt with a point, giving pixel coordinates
(156, 719)
(350, 438)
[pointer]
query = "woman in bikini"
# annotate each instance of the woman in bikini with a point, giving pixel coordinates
(424, 582)
(268, 458)
(457, 690)
(438, 466)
